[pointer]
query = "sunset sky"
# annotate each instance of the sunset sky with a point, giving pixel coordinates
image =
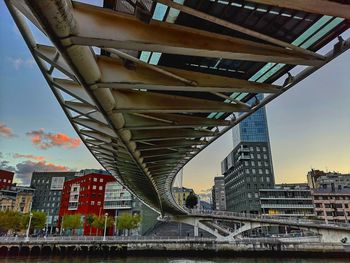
(309, 125)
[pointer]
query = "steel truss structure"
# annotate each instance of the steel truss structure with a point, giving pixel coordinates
(144, 120)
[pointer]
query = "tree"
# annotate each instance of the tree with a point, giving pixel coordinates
(128, 222)
(38, 220)
(10, 220)
(72, 222)
(89, 220)
(191, 200)
(99, 222)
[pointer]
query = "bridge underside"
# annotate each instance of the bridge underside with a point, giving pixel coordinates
(147, 86)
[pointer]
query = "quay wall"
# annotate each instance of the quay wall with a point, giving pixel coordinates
(171, 247)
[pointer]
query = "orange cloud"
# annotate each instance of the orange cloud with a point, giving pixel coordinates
(29, 156)
(48, 140)
(5, 131)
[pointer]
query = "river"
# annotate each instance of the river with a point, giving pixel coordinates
(166, 260)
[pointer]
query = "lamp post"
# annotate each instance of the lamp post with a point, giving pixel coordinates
(27, 233)
(104, 232)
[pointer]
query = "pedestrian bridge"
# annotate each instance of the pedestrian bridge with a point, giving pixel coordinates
(216, 223)
(147, 85)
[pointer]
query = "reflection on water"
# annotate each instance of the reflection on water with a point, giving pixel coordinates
(165, 260)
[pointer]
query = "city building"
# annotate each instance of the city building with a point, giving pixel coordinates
(287, 200)
(248, 168)
(332, 205)
(6, 179)
(48, 187)
(328, 180)
(85, 195)
(16, 198)
(218, 194)
(181, 194)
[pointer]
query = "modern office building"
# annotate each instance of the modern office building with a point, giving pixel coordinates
(85, 195)
(181, 194)
(328, 180)
(48, 187)
(248, 168)
(287, 200)
(218, 194)
(6, 179)
(332, 205)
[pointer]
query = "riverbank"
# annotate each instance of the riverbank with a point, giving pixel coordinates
(173, 247)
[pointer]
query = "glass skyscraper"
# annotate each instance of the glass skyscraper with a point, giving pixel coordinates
(248, 167)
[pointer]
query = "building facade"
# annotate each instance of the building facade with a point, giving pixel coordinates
(328, 180)
(48, 188)
(118, 201)
(17, 198)
(248, 168)
(181, 194)
(218, 194)
(85, 195)
(287, 200)
(332, 206)
(6, 179)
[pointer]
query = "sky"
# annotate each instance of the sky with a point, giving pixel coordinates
(309, 125)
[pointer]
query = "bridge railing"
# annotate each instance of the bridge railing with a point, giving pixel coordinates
(69, 239)
(284, 219)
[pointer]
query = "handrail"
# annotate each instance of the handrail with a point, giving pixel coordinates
(271, 218)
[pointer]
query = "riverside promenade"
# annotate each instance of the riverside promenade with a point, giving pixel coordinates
(308, 246)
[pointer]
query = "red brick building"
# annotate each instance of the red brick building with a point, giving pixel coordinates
(6, 178)
(85, 195)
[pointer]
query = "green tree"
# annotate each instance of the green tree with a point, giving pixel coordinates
(10, 220)
(191, 200)
(128, 222)
(99, 222)
(72, 222)
(89, 220)
(38, 220)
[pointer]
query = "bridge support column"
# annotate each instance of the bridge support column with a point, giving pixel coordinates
(195, 228)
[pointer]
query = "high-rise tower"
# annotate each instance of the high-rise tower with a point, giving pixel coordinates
(248, 167)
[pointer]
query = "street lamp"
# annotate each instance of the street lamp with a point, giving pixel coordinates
(27, 233)
(104, 232)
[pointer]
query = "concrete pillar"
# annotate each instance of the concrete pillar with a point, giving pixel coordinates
(195, 228)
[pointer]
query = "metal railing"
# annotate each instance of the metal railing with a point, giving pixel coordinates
(271, 218)
(81, 239)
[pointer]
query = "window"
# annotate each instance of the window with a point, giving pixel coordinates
(258, 149)
(259, 156)
(252, 163)
(94, 187)
(92, 202)
(259, 163)
(101, 180)
(268, 179)
(264, 149)
(265, 156)
(253, 171)
(256, 195)
(267, 171)
(249, 195)
(247, 171)
(99, 203)
(100, 187)
(260, 171)
(95, 179)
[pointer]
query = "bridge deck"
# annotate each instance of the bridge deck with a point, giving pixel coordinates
(147, 87)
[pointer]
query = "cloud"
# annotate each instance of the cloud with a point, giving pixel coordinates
(4, 165)
(45, 140)
(23, 170)
(6, 131)
(29, 156)
(19, 62)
